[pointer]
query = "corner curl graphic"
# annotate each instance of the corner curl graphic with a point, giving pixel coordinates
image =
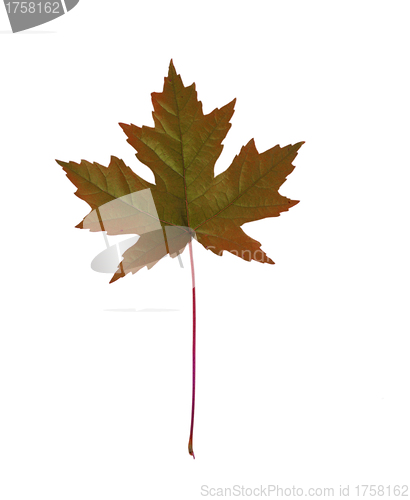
(28, 14)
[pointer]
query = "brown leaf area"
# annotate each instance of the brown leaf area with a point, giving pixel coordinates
(186, 200)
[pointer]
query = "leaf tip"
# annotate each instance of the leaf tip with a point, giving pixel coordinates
(230, 107)
(171, 67)
(116, 277)
(124, 126)
(251, 145)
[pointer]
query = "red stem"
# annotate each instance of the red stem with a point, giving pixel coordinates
(191, 435)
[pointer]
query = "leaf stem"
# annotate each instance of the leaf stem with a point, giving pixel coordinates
(191, 435)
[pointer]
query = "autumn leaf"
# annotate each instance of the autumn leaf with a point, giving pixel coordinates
(187, 200)
(181, 150)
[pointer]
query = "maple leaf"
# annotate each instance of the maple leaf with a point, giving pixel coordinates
(181, 150)
(186, 200)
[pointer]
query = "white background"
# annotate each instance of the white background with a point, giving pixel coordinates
(303, 367)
